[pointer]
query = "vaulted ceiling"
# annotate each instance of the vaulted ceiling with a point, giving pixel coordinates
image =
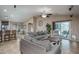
(23, 12)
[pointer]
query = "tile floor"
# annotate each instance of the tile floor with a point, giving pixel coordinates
(9, 47)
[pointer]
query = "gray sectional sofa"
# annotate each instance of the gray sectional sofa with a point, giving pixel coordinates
(39, 45)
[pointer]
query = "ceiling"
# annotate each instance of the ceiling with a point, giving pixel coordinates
(23, 12)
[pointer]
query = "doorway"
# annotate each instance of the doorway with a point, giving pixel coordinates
(63, 28)
(30, 27)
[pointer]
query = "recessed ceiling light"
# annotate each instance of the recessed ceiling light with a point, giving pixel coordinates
(5, 10)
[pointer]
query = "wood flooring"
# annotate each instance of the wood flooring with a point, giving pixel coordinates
(12, 47)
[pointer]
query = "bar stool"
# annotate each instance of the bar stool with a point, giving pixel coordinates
(12, 34)
(0, 36)
(7, 35)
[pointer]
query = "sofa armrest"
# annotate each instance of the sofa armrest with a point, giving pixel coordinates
(27, 47)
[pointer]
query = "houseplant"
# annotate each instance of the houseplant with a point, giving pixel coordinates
(48, 27)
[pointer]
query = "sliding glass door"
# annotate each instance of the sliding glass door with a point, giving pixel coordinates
(63, 28)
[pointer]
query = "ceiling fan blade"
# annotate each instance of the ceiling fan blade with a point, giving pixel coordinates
(49, 14)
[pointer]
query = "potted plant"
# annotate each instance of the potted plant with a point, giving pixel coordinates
(48, 27)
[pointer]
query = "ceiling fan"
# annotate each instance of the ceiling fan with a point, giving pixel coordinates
(45, 12)
(45, 15)
(48, 15)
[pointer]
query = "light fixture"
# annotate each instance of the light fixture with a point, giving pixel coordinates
(5, 10)
(44, 15)
(71, 7)
(14, 6)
